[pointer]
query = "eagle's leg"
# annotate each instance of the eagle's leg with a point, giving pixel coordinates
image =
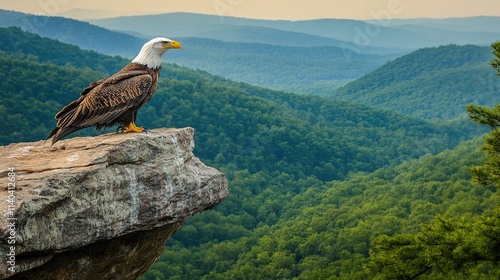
(131, 127)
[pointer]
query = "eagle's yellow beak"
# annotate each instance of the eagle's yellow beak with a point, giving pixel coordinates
(176, 45)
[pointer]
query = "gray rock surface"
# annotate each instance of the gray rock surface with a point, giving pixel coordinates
(99, 207)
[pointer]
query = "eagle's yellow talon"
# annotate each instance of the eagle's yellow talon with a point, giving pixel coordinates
(133, 128)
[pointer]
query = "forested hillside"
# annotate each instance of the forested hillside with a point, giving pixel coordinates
(325, 231)
(308, 135)
(299, 68)
(29, 46)
(82, 34)
(306, 57)
(431, 83)
(305, 70)
(285, 217)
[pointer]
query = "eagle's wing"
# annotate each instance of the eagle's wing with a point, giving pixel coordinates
(103, 101)
(63, 114)
(107, 102)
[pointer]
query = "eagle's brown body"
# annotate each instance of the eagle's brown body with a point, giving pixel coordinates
(115, 100)
(110, 101)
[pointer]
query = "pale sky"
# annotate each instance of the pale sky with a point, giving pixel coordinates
(267, 9)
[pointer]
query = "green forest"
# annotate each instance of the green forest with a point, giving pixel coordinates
(301, 69)
(320, 187)
(442, 79)
(311, 70)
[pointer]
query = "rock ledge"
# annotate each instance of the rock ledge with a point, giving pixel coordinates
(99, 207)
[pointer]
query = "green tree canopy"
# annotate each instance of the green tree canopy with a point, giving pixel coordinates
(445, 247)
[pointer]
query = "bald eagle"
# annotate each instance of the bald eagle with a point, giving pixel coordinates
(116, 100)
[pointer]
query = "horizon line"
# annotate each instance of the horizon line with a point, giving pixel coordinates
(65, 15)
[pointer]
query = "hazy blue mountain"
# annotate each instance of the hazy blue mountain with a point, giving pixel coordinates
(430, 83)
(33, 47)
(294, 68)
(302, 65)
(358, 35)
(273, 36)
(266, 35)
(470, 24)
(83, 14)
(82, 34)
(278, 151)
(244, 126)
(446, 37)
(331, 32)
(312, 70)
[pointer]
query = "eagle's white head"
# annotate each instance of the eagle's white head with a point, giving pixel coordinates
(151, 52)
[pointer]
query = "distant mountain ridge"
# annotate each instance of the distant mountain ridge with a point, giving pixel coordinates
(298, 68)
(238, 123)
(311, 70)
(85, 14)
(430, 83)
(82, 34)
(468, 24)
(278, 150)
(239, 30)
(359, 35)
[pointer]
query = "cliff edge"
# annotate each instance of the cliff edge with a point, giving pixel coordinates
(99, 207)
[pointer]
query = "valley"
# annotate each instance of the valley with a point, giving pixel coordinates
(325, 147)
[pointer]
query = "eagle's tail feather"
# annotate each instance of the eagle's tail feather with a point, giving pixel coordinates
(59, 132)
(52, 133)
